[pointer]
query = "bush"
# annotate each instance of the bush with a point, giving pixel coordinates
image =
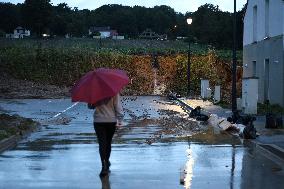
(63, 62)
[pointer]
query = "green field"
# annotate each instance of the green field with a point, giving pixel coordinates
(123, 46)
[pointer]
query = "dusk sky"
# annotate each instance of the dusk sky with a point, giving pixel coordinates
(182, 6)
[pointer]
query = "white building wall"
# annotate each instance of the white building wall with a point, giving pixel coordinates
(276, 10)
(267, 53)
(276, 26)
(283, 23)
(119, 37)
(105, 34)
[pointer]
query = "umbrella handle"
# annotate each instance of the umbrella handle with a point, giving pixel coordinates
(91, 106)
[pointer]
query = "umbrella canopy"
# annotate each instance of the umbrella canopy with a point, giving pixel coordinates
(99, 84)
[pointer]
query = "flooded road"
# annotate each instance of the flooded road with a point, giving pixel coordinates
(148, 152)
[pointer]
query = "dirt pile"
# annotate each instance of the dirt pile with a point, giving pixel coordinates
(11, 88)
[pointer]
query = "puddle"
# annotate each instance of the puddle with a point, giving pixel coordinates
(36, 168)
(16, 102)
(2, 110)
(157, 141)
(36, 157)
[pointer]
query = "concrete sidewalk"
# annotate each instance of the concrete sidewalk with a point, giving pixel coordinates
(271, 140)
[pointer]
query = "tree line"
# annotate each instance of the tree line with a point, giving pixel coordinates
(210, 25)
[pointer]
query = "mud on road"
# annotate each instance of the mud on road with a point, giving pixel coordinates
(12, 88)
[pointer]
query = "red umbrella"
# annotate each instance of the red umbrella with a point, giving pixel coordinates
(98, 85)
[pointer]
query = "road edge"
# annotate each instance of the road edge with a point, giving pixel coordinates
(12, 141)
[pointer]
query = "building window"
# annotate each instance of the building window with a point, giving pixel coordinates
(266, 79)
(254, 23)
(253, 68)
(266, 18)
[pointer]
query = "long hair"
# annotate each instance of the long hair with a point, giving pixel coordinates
(104, 101)
(99, 103)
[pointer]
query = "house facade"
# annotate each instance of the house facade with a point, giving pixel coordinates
(19, 33)
(105, 32)
(263, 48)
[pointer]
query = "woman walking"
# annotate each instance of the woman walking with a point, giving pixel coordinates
(100, 89)
(107, 116)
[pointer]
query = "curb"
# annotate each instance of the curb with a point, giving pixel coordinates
(275, 152)
(9, 143)
(12, 141)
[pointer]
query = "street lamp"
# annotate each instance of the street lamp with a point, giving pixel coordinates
(189, 21)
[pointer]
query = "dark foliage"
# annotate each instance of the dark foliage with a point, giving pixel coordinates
(210, 24)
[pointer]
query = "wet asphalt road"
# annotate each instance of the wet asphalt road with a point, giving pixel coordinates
(64, 152)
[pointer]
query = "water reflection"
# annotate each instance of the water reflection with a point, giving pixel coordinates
(188, 169)
(233, 167)
(105, 182)
(215, 159)
(211, 156)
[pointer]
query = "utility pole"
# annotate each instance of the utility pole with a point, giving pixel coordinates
(234, 66)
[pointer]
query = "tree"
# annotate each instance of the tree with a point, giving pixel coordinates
(205, 23)
(61, 15)
(37, 15)
(164, 19)
(210, 25)
(10, 16)
(240, 26)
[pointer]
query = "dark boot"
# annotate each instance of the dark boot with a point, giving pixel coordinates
(105, 169)
(108, 163)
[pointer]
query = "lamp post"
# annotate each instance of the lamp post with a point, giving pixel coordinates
(189, 21)
(234, 66)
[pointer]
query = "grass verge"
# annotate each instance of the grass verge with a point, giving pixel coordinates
(15, 125)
